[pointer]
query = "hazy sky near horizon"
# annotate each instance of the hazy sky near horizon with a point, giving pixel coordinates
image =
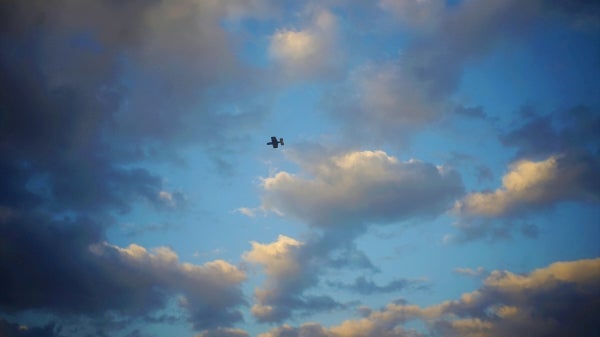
(440, 173)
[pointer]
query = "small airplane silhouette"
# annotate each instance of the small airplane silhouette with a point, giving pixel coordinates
(275, 143)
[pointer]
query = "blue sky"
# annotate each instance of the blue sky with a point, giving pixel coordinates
(439, 175)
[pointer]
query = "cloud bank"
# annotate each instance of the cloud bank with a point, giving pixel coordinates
(557, 300)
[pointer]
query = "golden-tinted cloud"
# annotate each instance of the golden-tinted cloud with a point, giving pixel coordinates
(358, 188)
(558, 300)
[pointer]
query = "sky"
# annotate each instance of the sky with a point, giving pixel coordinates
(440, 173)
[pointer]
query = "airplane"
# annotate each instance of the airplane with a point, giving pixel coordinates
(275, 143)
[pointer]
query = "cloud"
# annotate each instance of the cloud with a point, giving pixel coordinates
(381, 102)
(291, 268)
(358, 188)
(557, 157)
(339, 196)
(391, 101)
(249, 212)
(224, 332)
(8, 329)
(551, 301)
(172, 200)
(419, 14)
(527, 187)
(365, 286)
(558, 300)
(308, 329)
(210, 292)
(85, 101)
(569, 131)
(526, 184)
(307, 52)
(91, 93)
(479, 272)
(65, 268)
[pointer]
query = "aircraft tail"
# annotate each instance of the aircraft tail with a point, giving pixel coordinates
(281, 141)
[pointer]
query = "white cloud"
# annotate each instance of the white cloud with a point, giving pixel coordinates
(358, 188)
(171, 200)
(478, 272)
(310, 51)
(249, 212)
(277, 258)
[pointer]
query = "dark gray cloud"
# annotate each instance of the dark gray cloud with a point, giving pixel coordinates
(63, 267)
(8, 329)
(90, 91)
(571, 131)
(553, 301)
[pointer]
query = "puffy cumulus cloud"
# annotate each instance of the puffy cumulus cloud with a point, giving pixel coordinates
(528, 186)
(340, 195)
(291, 268)
(570, 132)
(307, 52)
(210, 292)
(277, 258)
(63, 267)
(559, 161)
(558, 300)
(358, 188)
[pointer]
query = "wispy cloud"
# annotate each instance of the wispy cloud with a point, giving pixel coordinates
(363, 285)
